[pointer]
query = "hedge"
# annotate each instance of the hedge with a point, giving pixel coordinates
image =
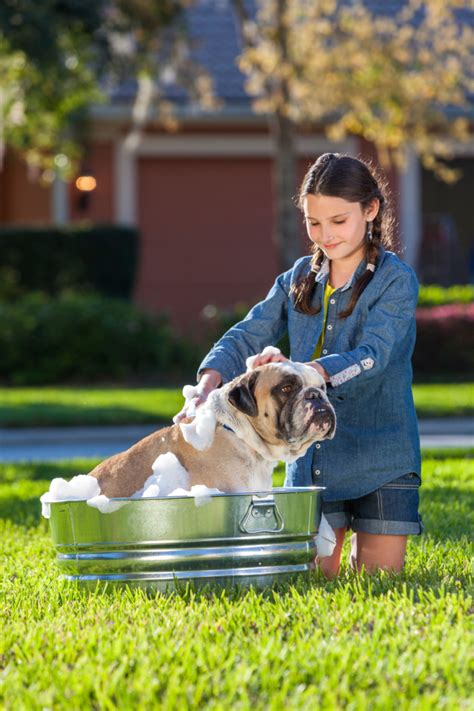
(75, 258)
(89, 338)
(82, 338)
(434, 295)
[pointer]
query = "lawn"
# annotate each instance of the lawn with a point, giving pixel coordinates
(380, 642)
(28, 407)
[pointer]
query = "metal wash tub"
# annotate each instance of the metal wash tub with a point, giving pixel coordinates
(233, 539)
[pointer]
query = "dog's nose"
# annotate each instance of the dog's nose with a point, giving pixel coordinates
(314, 394)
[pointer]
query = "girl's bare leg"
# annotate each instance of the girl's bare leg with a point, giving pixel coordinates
(373, 552)
(330, 565)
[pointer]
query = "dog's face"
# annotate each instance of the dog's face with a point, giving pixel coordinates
(286, 405)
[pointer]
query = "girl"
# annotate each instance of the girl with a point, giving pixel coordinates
(349, 311)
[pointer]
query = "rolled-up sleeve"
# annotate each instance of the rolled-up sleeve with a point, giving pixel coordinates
(264, 325)
(388, 323)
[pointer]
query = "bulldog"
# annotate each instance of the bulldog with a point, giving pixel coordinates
(272, 413)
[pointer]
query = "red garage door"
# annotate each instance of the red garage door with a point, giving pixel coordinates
(206, 228)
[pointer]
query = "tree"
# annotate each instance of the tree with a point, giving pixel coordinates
(395, 80)
(46, 51)
(58, 58)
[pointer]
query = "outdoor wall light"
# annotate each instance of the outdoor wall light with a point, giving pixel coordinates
(86, 183)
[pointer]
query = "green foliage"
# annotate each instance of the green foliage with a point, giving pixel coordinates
(382, 642)
(45, 340)
(435, 295)
(59, 58)
(47, 50)
(75, 257)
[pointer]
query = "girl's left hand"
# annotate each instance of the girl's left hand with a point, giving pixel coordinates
(264, 358)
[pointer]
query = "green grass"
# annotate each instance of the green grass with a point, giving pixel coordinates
(31, 407)
(380, 642)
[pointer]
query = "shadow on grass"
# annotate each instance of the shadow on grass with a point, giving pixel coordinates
(58, 415)
(23, 472)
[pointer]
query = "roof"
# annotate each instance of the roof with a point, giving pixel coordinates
(215, 40)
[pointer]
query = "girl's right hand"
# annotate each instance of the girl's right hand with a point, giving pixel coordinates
(209, 381)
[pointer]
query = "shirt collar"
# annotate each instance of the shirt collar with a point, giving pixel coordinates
(324, 271)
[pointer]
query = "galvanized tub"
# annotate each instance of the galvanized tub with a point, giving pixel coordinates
(162, 543)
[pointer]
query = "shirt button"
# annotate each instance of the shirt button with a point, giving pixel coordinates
(332, 301)
(329, 327)
(317, 472)
(325, 351)
(318, 446)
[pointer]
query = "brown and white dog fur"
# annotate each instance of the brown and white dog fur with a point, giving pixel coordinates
(270, 414)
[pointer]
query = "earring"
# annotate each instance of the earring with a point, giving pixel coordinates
(369, 231)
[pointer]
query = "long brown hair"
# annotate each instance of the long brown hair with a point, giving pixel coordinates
(338, 175)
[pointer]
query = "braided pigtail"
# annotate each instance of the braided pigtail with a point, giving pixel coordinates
(372, 256)
(303, 291)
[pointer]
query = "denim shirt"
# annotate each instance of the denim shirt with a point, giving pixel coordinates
(368, 359)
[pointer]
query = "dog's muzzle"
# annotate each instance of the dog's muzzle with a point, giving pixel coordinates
(322, 412)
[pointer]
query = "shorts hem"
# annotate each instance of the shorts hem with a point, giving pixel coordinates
(393, 528)
(338, 519)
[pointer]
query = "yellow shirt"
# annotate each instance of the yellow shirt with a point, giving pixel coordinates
(327, 293)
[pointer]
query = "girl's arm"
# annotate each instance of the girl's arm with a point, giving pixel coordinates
(387, 325)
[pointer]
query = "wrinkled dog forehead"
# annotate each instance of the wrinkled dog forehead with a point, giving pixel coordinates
(309, 375)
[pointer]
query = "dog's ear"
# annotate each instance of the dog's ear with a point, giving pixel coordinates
(242, 396)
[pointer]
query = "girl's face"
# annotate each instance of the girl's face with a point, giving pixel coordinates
(337, 226)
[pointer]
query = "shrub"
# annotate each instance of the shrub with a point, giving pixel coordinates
(218, 321)
(445, 340)
(84, 338)
(55, 259)
(434, 295)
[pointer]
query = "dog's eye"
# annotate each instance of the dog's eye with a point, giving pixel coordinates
(287, 388)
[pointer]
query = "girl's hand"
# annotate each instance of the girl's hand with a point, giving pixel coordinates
(270, 354)
(209, 381)
(314, 364)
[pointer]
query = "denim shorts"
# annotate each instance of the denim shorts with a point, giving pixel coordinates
(392, 509)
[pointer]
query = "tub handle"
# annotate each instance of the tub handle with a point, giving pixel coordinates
(262, 516)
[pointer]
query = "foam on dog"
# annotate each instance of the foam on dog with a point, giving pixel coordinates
(169, 478)
(325, 538)
(81, 488)
(168, 475)
(267, 351)
(200, 432)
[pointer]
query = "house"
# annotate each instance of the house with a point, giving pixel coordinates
(202, 197)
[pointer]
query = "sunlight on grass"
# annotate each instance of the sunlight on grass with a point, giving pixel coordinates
(358, 642)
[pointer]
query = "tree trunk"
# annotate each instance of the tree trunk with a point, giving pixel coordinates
(286, 230)
(286, 236)
(283, 131)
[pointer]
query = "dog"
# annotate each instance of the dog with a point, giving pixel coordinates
(272, 413)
